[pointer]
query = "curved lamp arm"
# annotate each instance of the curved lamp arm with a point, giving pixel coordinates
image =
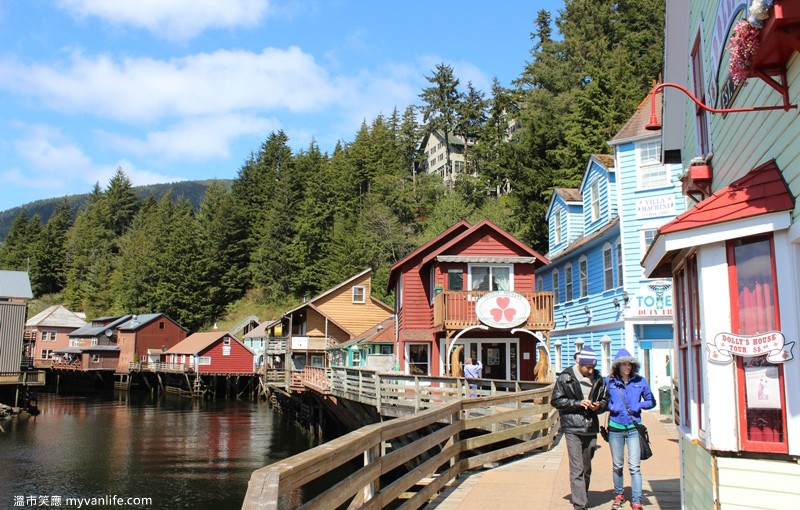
(655, 125)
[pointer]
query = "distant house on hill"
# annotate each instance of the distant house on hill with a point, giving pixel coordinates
(211, 352)
(48, 331)
(434, 151)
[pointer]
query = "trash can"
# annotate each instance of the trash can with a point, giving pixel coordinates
(665, 400)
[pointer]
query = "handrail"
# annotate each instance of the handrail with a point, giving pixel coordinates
(434, 445)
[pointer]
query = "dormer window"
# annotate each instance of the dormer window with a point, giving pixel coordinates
(595, 191)
(359, 294)
(557, 221)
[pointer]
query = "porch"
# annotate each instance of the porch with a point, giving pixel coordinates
(454, 310)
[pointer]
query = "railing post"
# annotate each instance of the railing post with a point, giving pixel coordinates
(360, 386)
(377, 378)
(416, 394)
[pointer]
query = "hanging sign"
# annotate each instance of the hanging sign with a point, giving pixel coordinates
(502, 309)
(653, 207)
(653, 299)
(771, 343)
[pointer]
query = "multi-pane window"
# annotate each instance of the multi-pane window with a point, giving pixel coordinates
(490, 277)
(620, 274)
(568, 283)
(584, 276)
(754, 311)
(555, 288)
(359, 294)
(608, 269)
(648, 235)
(455, 279)
(652, 173)
(595, 191)
(418, 359)
(356, 358)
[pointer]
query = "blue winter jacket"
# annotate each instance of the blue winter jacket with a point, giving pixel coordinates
(637, 394)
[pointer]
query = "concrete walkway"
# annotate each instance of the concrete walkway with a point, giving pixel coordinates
(542, 480)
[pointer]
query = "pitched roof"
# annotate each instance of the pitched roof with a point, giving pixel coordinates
(196, 342)
(141, 320)
(98, 326)
(484, 224)
(607, 160)
(635, 127)
(583, 241)
(337, 287)
(56, 316)
(570, 194)
(761, 191)
(383, 333)
(460, 226)
(260, 331)
(15, 285)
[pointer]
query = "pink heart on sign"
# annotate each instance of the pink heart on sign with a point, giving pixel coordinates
(502, 302)
(497, 314)
(509, 313)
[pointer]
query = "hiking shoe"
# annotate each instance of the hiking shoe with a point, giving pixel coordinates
(636, 506)
(619, 501)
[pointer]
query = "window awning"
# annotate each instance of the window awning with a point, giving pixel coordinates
(757, 203)
(483, 259)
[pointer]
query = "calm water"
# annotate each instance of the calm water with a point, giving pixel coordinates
(179, 452)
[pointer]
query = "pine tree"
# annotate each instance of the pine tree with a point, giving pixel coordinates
(439, 111)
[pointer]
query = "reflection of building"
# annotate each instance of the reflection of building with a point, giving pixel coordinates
(472, 286)
(734, 256)
(597, 236)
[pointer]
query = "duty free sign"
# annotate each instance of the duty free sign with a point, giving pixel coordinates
(771, 343)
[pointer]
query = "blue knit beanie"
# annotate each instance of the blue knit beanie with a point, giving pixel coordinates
(587, 356)
(623, 356)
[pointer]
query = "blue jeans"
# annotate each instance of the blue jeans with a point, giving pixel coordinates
(617, 441)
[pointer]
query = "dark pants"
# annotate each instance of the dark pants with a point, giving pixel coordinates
(580, 450)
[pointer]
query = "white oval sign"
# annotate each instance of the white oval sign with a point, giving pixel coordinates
(502, 309)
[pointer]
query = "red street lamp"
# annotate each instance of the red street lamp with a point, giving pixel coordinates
(655, 125)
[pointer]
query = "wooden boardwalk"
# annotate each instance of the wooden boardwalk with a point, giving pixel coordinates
(541, 480)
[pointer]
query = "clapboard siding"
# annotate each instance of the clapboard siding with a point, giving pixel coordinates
(698, 477)
(750, 483)
(355, 317)
(12, 324)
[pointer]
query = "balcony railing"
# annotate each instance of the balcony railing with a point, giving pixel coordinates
(456, 309)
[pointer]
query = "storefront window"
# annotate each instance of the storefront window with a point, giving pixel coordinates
(418, 359)
(754, 311)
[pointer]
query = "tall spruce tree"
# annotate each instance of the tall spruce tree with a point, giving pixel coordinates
(439, 112)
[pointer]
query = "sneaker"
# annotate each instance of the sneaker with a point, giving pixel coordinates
(619, 501)
(636, 506)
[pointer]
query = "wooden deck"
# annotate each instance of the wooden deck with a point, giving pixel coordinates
(27, 378)
(455, 310)
(440, 433)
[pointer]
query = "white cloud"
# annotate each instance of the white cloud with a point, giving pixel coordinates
(172, 19)
(193, 138)
(146, 89)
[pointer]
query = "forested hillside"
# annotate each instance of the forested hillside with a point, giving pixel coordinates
(294, 223)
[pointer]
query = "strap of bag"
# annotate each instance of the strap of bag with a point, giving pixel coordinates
(637, 425)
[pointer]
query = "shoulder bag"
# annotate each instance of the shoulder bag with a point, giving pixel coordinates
(645, 452)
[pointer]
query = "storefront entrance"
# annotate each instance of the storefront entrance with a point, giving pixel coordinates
(499, 357)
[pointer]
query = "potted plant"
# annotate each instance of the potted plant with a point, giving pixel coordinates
(700, 169)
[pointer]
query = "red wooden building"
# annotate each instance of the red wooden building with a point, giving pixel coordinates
(146, 333)
(211, 352)
(473, 285)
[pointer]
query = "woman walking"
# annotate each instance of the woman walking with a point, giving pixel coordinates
(628, 395)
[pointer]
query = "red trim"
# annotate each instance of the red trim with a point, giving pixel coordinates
(747, 444)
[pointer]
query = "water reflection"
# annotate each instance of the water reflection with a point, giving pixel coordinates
(181, 453)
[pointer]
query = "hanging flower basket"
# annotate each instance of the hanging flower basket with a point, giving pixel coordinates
(742, 47)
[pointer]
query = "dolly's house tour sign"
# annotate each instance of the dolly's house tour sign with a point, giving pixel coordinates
(771, 343)
(502, 309)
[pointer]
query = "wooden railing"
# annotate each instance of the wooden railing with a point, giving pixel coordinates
(454, 309)
(424, 450)
(68, 365)
(27, 377)
(160, 367)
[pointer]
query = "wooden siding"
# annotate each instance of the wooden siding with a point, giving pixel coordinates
(751, 483)
(316, 327)
(699, 471)
(239, 361)
(595, 173)
(575, 222)
(61, 341)
(12, 325)
(559, 209)
(134, 344)
(356, 317)
(417, 310)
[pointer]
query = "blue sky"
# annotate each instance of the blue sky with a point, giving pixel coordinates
(170, 90)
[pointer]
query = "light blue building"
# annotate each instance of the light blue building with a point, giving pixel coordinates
(598, 234)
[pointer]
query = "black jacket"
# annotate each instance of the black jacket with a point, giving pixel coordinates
(567, 397)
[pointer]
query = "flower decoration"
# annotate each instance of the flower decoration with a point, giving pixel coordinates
(759, 11)
(742, 47)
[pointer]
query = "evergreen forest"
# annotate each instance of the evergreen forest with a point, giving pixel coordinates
(295, 223)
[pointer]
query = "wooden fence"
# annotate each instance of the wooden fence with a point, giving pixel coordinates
(407, 461)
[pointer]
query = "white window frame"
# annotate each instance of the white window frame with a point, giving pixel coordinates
(46, 354)
(359, 294)
(226, 340)
(583, 271)
(557, 227)
(95, 358)
(556, 284)
(594, 188)
(568, 295)
(652, 173)
(203, 360)
(608, 268)
(620, 271)
(558, 356)
(408, 357)
(491, 269)
(356, 358)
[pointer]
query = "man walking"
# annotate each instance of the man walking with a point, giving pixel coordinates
(580, 395)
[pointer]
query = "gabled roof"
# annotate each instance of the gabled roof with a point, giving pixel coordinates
(56, 316)
(104, 323)
(761, 191)
(607, 160)
(260, 331)
(381, 333)
(601, 160)
(569, 195)
(635, 127)
(139, 321)
(460, 226)
(482, 225)
(15, 285)
(340, 286)
(197, 342)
